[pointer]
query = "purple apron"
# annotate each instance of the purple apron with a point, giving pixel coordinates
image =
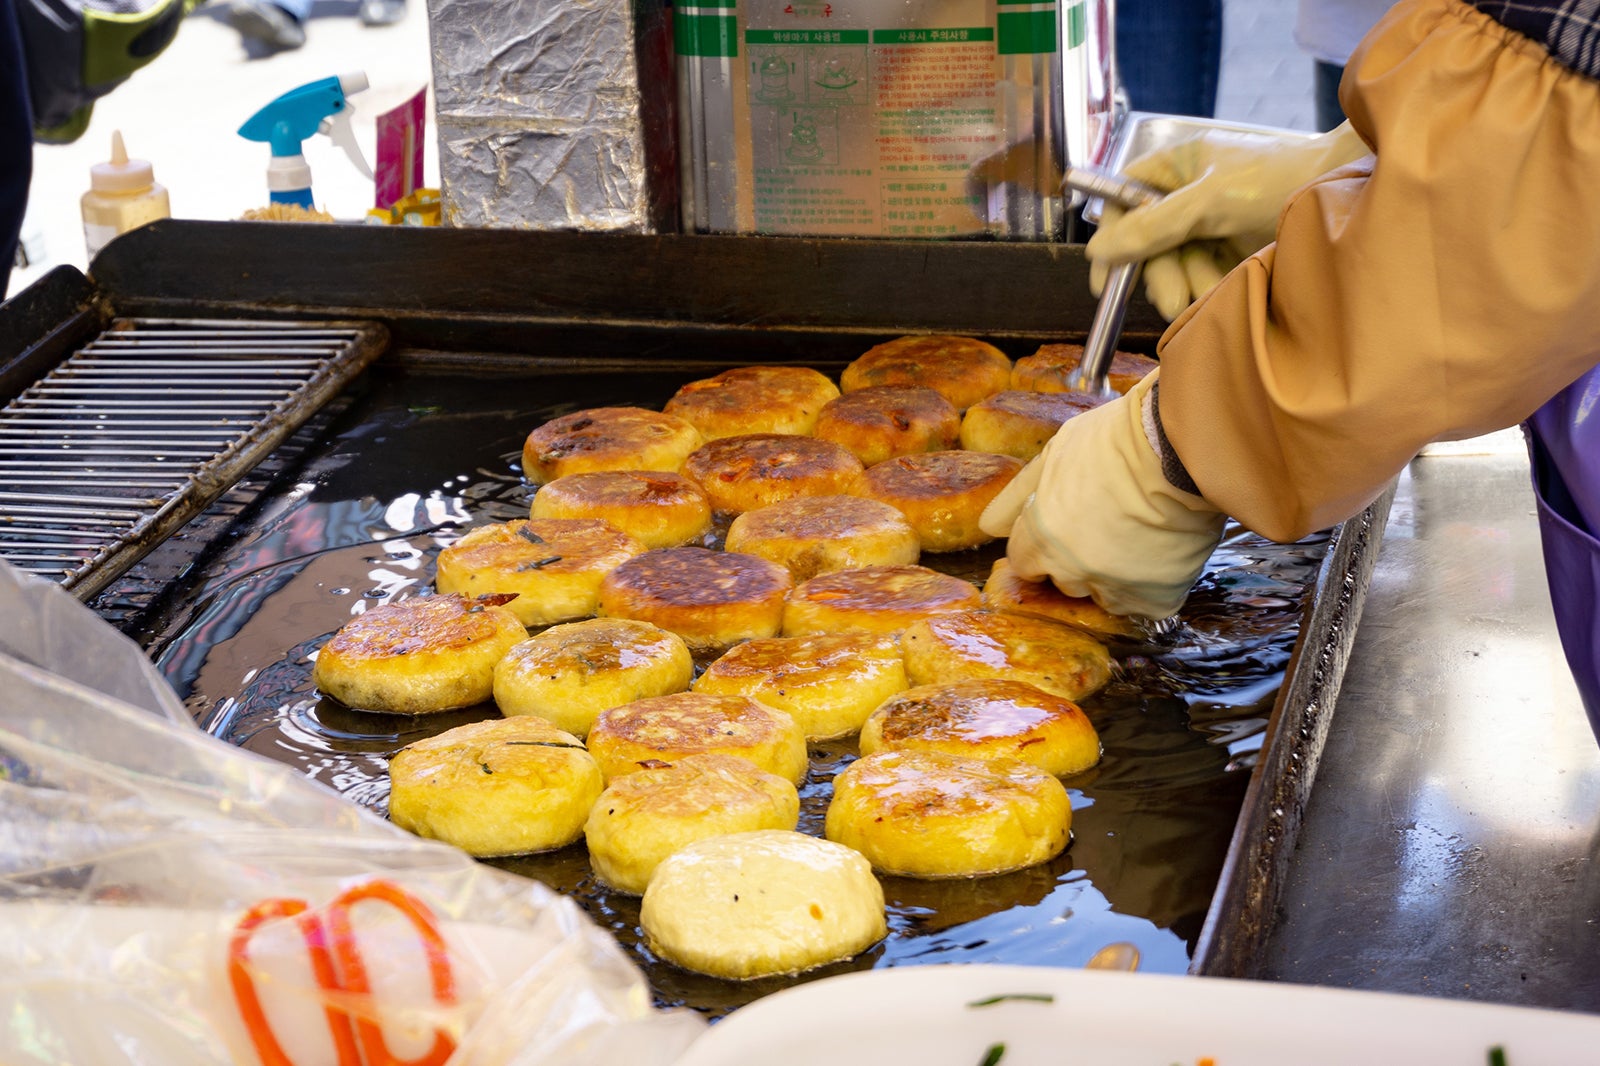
(1564, 446)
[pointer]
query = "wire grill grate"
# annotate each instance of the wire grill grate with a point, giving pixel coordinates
(138, 431)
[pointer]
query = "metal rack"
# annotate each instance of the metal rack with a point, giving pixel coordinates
(139, 430)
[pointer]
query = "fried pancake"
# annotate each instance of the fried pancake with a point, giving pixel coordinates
(986, 718)
(884, 421)
(742, 473)
(874, 599)
(828, 683)
(971, 644)
(813, 535)
(570, 673)
(1050, 369)
(962, 369)
(415, 656)
(607, 438)
(754, 399)
(554, 565)
(932, 814)
(759, 904)
(1005, 591)
(1019, 424)
(643, 817)
(711, 599)
(942, 494)
(666, 728)
(658, 509)
(506, 786)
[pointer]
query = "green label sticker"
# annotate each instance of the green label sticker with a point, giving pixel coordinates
(1026, 32)
(949, 35)
(1077, 25)
(704, 35)
(805, 36)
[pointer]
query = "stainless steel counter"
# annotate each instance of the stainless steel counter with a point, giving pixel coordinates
(1451, 845)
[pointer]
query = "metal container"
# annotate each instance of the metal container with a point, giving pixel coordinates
(1210, 734)
(865, 117)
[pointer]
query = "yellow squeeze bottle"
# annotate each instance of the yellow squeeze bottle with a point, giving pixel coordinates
(123, 195)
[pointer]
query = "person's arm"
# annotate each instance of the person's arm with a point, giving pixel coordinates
(1446, 290)
(1225, 192)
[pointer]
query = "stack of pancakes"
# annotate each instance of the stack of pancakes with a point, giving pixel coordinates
(658, 680)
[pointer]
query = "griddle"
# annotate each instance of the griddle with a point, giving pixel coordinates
(1212, 731)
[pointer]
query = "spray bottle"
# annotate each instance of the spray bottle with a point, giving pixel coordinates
(316, 107)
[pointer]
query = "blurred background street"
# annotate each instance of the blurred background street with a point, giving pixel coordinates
(183, 110)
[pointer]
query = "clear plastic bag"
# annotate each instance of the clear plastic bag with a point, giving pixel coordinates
(152, 881)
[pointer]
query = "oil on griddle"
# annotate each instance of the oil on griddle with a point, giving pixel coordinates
(419, 453)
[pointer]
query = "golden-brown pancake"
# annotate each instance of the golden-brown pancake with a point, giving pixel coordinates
(963, 369)
(933, 814)
(742, 473)
(986, 718)
(569, 673)
(1019, 424)
(415, 656)
(883, 421)
(1050, 369)
(874, 599)
(829, 683)
(554, 565)
(506, 786)
(643, 817)
(942, 494)
(982, 643)
(657, 508)
(711, 599)
(814, 535)
(662, 729)
(1005, 591)
(754, 399)
(763, 903)
(607, 438)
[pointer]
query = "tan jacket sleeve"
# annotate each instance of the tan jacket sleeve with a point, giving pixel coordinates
(1445, 287)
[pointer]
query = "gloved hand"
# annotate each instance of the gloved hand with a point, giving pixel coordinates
(1225, 191)
(1095, 514)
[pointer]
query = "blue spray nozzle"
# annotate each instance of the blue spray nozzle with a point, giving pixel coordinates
(293, 117)
(286, 123)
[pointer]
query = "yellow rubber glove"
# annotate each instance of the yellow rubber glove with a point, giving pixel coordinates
(1095, 514)
(1225, 191)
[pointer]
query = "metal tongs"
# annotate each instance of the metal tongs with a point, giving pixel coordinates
(1106, 329)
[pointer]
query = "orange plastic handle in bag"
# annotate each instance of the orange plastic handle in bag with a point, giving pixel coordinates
(374, 1048)
(244, 989)
(341, 972)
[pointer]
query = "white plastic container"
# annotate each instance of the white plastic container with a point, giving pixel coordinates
(123, 195)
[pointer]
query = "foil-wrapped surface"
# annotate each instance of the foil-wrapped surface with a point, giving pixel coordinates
(554, 114)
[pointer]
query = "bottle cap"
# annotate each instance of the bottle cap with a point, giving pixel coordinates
(121, 174)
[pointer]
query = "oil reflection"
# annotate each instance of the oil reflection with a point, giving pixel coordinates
(1179, 723)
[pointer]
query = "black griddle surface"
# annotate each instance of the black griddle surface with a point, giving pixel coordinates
(421, 450)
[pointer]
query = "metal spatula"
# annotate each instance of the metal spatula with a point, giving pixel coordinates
(1106, 328)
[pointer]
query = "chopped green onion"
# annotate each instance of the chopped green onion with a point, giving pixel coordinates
(995, 1053)
(1497, 1056)
(538, 564)
(1027, 997)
